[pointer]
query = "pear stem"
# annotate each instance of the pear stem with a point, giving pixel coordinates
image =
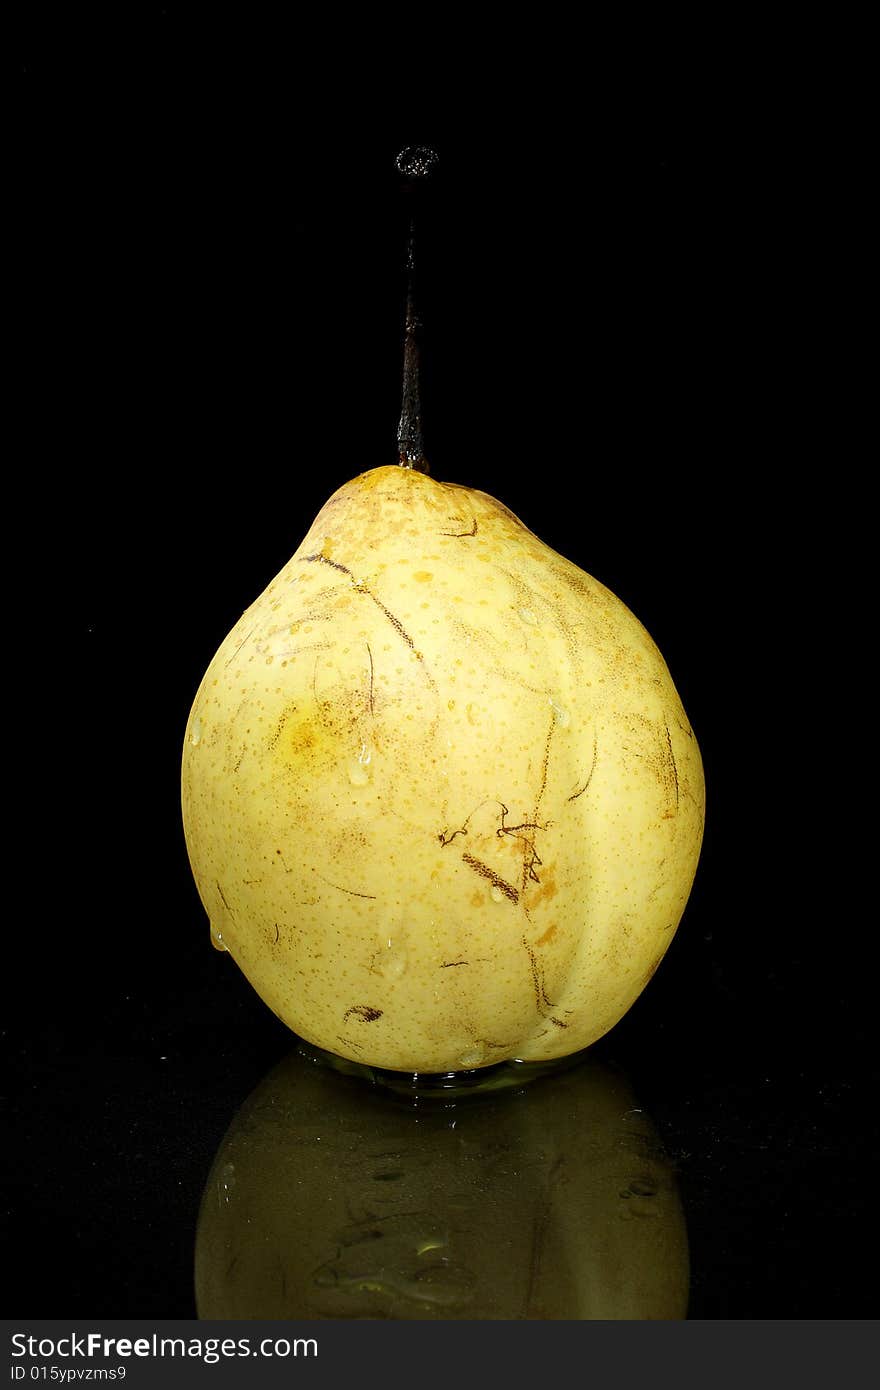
(410, 445)
(415, 163)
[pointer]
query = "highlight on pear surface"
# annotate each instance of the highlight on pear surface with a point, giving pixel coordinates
(442, 803)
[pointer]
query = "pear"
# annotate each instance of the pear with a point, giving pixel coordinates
(441, 800)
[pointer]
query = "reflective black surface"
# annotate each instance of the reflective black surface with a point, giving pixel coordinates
(208, 344)
(544, 1197)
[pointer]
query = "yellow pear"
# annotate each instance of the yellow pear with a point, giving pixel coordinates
(441, 799)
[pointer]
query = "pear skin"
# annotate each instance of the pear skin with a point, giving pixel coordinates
(441, 800)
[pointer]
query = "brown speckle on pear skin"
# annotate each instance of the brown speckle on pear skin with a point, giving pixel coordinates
(495, 879)
(461, 535)
(365, 1012)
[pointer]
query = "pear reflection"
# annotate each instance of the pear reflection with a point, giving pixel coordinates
(528, 1198)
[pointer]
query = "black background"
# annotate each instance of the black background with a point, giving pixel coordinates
(624, 285)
